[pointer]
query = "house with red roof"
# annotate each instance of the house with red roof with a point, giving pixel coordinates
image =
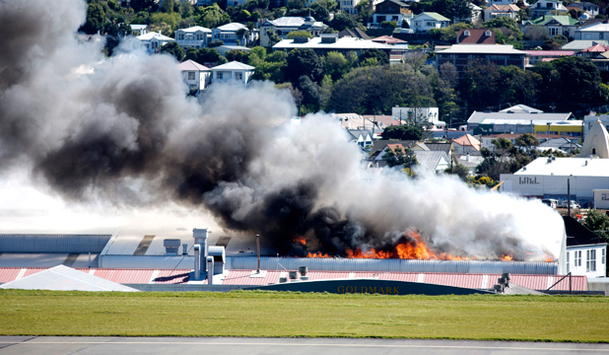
(476, 36)
(466, 144)
(593, 51)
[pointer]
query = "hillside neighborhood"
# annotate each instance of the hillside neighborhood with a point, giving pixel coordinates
(508, 96)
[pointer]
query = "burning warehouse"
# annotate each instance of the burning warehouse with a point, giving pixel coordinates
(122, 133)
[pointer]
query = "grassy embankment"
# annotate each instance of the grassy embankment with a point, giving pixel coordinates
(264, 314)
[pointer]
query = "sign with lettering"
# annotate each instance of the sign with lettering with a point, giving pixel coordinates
(370, 286)
(525, 180)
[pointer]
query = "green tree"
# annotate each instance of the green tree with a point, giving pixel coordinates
(96, 18)
(336, 65)
(381, 57)
(365, 11)
(460, 170)
(479, 85)
(403, 132)
(174, 49)
(343, 21)
(598, 222)
(399, 157)
(527, 141)
(303, 62)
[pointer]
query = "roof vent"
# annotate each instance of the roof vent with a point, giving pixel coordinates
(329, 37)
(172, 246)
(301, 39)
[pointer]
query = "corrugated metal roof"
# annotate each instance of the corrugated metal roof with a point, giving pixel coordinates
(53, 243)
(395, 265)
(243, 277)
(133, 276)
(9, 274)
(31, 260)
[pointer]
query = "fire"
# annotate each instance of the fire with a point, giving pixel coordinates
(407, 250)
(300, 239)
(507, 258)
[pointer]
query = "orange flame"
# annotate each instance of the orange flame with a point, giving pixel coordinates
(318, 255)
(300, 239)
(507, 258)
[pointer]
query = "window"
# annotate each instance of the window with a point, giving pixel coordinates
(603, 256)
(577, 260)
(239, 76)
(600, 35)
(590, 260)
(219, 75)
(191, 75)
(568, 268)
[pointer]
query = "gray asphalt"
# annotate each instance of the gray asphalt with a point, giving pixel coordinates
(185, 346)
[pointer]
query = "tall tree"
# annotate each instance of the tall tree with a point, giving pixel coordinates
(304, 62)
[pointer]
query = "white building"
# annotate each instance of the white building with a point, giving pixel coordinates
(586, 252)
(553, 177)
(195, 75)
(232, 72)
(548, 7)
(138, 30)
(284, 25)
(430, 114)
(153, 41)
(231, 33)
(196, 36)
(428, 20)
(329, 42)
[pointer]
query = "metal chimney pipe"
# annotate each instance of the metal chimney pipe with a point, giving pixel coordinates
(210, 267)
(200, 236)
(258, 252)
(197, 262)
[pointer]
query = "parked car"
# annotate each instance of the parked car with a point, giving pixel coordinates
(550, 202)
(565, 204)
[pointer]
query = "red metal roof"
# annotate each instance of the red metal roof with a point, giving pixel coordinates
(243, 277)
(8, 274)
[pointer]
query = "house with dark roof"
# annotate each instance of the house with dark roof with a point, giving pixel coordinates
(390, 10)
(354, 32)
(476, 36)
(587, 7)
(586, 252)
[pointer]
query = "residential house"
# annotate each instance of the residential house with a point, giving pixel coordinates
(434, 161)
(138, 30)
(232, 33)
(602, 61)
(466, 144)
(475, 15)
(353, 32)
(284, 25)
(196, 36)
(546, 56)
(390, 10)
(562, 144)
(595, 32)
(153, 41)
(195, 75)
(593, 51)
(406, 114)
(475, 36)
(232, 72)
(580, 44)
(505, 2)
(363, 138)
(587, 7)
(223, 49)
(548, 7)
(428, 20)
(460, 55)
(586, 252)
(329, 42)
(556, 24)
(348, 6)
(498, 10)
(543, 138)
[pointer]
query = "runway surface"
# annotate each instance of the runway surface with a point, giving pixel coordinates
(292, 346)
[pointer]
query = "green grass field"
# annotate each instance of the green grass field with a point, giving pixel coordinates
(270, 314)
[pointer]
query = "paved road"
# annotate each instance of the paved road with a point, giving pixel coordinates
(292, 346)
